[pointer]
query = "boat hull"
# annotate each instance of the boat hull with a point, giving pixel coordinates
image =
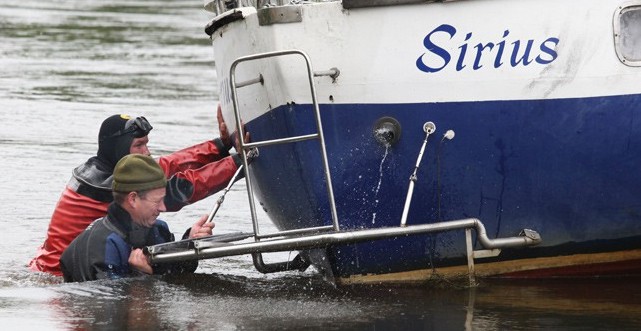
(541, 145)
(547, 174)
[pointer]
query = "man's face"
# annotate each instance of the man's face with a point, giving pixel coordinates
(139, 146)
(147, 208)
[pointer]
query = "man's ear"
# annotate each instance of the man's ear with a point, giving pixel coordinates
(131, 198)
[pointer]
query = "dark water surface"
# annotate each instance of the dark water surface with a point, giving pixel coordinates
(66, 65)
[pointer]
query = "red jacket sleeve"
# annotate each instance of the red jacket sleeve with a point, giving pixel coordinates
(193, 157)
(197, 172)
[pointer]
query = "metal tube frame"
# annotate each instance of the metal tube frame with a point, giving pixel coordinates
(204, 250)
(429, 128)
(245, 147)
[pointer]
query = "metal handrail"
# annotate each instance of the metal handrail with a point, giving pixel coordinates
(204, 251)
(282, 141)
(313, 230)
(245, 147)
(220, 6)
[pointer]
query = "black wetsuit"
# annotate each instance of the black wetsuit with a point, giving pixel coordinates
(102, 250)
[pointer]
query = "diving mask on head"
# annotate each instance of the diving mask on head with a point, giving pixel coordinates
(138, 127)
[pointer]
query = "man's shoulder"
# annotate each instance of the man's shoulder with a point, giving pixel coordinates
(163, 233)
(93, 230)
(86, 238)
(94, 173)
(162, 224)
(92, 179)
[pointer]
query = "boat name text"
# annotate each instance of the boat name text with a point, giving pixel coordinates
(500, 53)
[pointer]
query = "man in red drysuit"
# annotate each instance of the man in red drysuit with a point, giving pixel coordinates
(192, 173)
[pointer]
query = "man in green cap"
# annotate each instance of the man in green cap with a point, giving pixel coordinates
(193, 173)
(111, 247)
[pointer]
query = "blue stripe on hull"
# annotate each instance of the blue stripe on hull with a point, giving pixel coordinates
(567, 168)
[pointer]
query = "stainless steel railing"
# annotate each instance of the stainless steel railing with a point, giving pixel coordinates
(220, 6)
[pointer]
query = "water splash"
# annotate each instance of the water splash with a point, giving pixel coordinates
(385, 136)
(380, 180)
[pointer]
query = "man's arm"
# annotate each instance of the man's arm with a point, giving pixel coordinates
(189, 186)
(113, 264)
(163, 235)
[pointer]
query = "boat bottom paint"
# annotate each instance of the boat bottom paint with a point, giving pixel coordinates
(611, 264)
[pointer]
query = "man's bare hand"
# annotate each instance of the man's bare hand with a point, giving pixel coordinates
(139, 261)
(201, 228)
(222, 128)
(233, 139)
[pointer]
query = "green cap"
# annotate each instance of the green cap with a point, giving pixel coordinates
(137, 172)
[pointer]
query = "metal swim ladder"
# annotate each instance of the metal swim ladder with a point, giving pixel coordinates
(247, 147)
(315, 237)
